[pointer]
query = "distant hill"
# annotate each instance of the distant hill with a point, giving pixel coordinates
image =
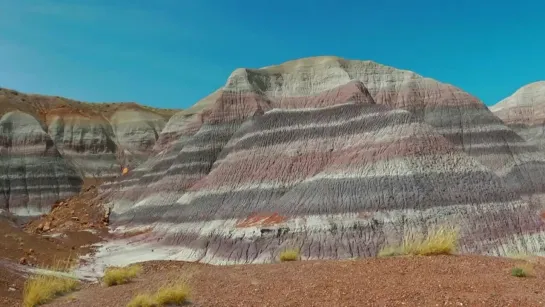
(524, 112)
(49, 145)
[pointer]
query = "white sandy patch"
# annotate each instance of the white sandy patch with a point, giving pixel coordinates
(125, 252)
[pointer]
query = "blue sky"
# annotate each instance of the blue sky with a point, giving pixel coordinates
(171, 53)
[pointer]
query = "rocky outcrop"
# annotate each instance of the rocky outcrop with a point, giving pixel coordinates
(49, 145)
(338, 158)
(524, 112)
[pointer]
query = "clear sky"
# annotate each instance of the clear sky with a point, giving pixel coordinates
(171, 53)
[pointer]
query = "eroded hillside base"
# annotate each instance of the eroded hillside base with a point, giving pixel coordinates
(316, 237)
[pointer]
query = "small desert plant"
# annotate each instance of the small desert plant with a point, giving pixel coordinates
(177, 295)
(120, 275)
(523, 270)
(142, 300)
(62, 265)
(289, 255)
(442, 241)
(518, 272)
(174, 295)
(42, 289)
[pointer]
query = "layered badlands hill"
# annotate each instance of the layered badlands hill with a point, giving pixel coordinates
(336, 157)
(524, 112)
(49, 145)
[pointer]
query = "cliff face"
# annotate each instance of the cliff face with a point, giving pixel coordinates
(49, 145)
(524, 112)
(338, 158)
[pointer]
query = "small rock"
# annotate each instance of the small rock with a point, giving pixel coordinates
(75, 218)
(11, 289)
(23, 261)
(47, 226)
(30, 251)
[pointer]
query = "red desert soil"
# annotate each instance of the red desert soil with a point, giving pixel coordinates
(82, 211)
(48, 241)
(400, 281)
(18, 247)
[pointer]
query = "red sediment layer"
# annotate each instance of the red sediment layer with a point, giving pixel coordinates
(174, 183)
(278, 168)
(240, 105)
(232, 106)
(406, 147)
(289, 169)
(261, 219)
(414, 95)
(71, 112)
(522, 115)
(350, 92)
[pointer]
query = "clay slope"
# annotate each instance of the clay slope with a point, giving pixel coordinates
(48, 145)
(339, 158)
(524, 112)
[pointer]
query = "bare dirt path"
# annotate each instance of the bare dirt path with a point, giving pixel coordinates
(400, 281)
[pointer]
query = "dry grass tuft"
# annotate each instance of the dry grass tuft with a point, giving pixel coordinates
(120, 275)
(174, 295)
(42, 289)
(289, 255)
(442, 241)
(142, 300)
(523, 270)
(177, 295)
